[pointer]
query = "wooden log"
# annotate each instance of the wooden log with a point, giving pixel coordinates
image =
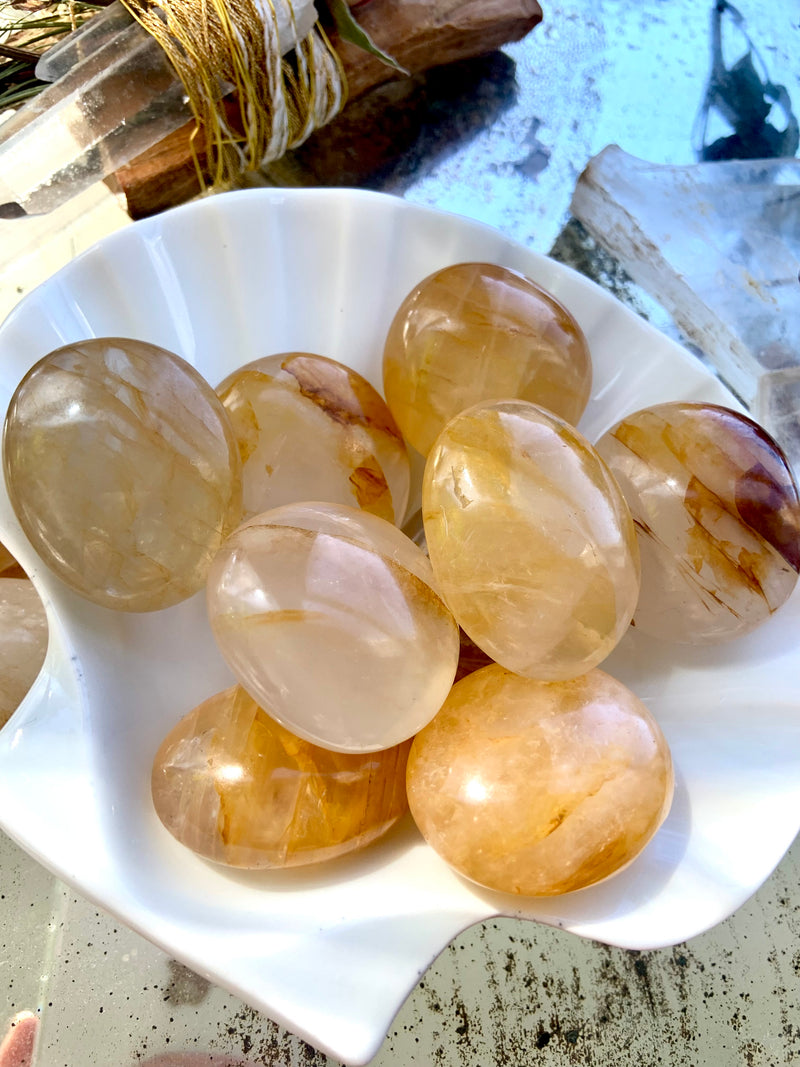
(419, 34)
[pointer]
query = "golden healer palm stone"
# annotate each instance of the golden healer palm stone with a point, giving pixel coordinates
(309, 428)
(475, 332)
(717, 517)
(539, 788)
(530, 539)
(234, 786)
(329, 617)
(123, 471)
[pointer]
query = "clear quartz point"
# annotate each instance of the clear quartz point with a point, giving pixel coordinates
(718, 245)
(116, 95)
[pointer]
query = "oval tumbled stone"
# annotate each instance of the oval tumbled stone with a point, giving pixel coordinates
(309, 428)
(123, 471)
(539, 788)
(328, 616)
(234, 786)
(476, 331)
(717, 516)
(531, 542)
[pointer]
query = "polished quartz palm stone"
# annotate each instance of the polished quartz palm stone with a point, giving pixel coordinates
(476, 332)
(309, 428)
(233, 785)
(717, 516)
(531, 542)
(327, 616)
(23, 641)
(123, 470)
(539, 788)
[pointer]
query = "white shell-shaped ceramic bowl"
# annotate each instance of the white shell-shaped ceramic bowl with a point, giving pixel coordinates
(331, 953)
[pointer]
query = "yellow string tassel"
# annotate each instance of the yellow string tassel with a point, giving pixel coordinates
(217, 46)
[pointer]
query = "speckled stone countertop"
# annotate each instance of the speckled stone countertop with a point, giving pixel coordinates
(503, 994)
(502, 139)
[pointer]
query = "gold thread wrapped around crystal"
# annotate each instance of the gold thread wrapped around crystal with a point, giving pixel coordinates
(219, 45)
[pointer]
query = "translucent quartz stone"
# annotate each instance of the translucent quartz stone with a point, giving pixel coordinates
(119, 97)
(531, 542)
(233, 785)
(537, 787)
(309, 428)
(477, 332)
(123, 471)
(717, 516)
(716, 244)
(328, 617)
(23, 641)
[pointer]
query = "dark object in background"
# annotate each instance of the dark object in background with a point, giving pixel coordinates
(744, 96)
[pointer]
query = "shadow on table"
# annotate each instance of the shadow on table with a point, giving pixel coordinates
(400, 131)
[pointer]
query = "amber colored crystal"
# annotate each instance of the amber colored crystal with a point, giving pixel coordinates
(539, 788)
(309, 428)
(123, 471)
(233, 785)
(717, 516)
(531, 542)
(23, 641)
(475, 332)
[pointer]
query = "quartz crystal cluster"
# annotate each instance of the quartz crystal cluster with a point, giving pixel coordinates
(346, 623)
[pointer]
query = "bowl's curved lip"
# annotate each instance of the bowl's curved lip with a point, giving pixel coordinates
(316, 975)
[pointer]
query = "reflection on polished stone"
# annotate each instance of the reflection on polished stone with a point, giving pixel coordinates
(328, 616)
(717, 516)
(233, 785)
(123, 471)
(475, 332)
(23, 641)
(531, 542)
(309, 428)
(539, 788)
